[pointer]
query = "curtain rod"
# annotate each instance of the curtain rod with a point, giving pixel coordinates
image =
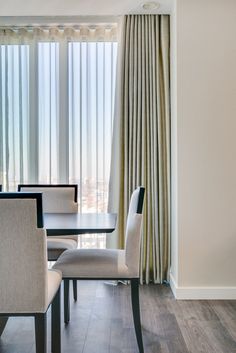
(33, 21)
(61, 27)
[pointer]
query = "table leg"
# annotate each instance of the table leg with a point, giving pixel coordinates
(3, 322)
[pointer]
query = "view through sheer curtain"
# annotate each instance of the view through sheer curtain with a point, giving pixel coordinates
(14, 103)
(56, 110)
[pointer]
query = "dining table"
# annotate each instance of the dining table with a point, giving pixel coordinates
(74, 223)
(79, 223)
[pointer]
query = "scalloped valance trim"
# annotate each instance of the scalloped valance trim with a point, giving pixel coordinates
(78, 33)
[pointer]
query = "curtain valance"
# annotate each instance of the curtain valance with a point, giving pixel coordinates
(77, 33)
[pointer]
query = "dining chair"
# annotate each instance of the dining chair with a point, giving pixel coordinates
(112, 264)
(27, 287)
(58, 198)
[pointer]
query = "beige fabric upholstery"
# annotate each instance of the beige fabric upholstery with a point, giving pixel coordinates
(24, 280)
(107, 263)
(133, 239)
(57, 245)
(93, 263)
(54, 281)
(133, 234)
(56, 199)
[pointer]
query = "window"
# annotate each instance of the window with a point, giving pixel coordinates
(56, 104)
(91, 100)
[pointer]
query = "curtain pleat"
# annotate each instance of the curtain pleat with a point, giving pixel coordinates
(143, 145)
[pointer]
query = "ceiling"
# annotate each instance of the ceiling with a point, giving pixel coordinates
(77, 7)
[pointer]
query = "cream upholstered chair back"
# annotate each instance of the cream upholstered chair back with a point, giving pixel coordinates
(23, 254)
(133, 232)
(57, 198)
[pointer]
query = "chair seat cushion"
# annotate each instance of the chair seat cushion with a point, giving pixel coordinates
(93, 263)
(54, 281)
(57, 245)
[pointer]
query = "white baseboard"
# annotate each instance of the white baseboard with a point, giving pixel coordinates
(173, 285)
(198, 293)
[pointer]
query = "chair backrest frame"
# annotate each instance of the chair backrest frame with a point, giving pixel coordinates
(49, 204)
(28, 195)
(141, 199)
(75, 186)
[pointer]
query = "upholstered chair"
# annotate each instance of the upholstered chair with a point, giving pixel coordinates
(27, 287)
(112, 263)
(58, 198)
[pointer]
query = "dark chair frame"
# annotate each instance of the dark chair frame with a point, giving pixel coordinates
(40, 319)
(40, 322)
(75, 186)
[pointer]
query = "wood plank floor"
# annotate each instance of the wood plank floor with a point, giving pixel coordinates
(101, 322)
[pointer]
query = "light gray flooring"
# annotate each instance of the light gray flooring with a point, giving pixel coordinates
(101, 322)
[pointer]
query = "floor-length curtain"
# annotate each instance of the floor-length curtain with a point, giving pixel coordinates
(141, 142)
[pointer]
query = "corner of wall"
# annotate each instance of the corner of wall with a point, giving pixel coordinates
(174, 174)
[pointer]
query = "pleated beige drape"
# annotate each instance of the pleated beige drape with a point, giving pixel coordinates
(141, 138)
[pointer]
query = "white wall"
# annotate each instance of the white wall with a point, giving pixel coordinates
(174, 145)
(76, 8)
(204, 119)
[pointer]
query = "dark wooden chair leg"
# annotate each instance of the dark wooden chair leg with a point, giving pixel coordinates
(136, 312)
(3, 322)
(66, 301)
(56, 323)
(75, 289)
(41, 332)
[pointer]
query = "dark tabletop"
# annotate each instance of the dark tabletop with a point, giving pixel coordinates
(79, 223)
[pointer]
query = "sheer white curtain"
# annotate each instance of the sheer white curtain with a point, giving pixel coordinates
(14, 117)
(91, 95)
(56, 109)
